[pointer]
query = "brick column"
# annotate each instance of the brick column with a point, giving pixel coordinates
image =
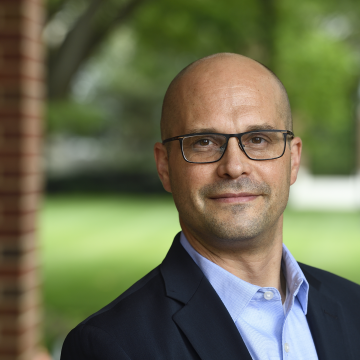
(21, 102)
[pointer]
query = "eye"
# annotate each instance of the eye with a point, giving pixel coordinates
(204, 142)
(257, 140)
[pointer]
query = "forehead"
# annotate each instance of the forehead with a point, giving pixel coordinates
(229, 100)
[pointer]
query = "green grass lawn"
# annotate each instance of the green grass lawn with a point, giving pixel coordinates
(94, 248)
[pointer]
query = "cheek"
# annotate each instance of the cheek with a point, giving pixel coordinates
(187, 180)
(277, 175)
(199, 174)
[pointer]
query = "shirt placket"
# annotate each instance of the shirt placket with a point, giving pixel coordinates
(286, 341)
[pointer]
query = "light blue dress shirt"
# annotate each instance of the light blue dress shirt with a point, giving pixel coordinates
(271, 330)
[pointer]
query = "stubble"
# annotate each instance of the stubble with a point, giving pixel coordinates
(233, 223)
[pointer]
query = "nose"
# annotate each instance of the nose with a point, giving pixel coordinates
(234, 163)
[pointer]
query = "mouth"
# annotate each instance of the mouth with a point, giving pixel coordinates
(243, 197)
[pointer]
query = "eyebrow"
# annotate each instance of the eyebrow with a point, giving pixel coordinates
(249, 128)
(261, 127)
(202, 130)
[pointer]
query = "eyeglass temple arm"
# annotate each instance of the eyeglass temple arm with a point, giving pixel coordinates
(172, 139)
(290, 133)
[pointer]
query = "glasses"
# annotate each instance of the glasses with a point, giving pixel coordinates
(203, 148)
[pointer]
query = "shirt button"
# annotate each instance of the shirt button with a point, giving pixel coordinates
(287, 347)
(268, 295)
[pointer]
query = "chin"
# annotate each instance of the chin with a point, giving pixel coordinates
(235, 233)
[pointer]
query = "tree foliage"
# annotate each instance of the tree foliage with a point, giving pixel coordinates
(119, 56)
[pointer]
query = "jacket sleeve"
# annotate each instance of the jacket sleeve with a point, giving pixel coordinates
(87, 342)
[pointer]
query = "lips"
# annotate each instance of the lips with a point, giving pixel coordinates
(234, 197)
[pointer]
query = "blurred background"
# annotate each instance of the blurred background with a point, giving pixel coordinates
(105, 220)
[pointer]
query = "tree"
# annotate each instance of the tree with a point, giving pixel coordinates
(95, 21)
(311, 46)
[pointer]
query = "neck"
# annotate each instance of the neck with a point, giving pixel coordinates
(258, 264)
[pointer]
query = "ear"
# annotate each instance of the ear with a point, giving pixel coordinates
(295, 150)
(162, 165)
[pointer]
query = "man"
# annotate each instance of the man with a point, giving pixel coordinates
(228, 288)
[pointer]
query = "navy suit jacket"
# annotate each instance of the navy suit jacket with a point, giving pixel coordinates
(173, 313)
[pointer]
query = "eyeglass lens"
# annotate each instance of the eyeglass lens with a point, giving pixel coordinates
(210, 147)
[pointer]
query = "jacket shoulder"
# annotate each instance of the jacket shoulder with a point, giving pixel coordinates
(141, 312)
(79, 345)
(138, 306)
(134, 291)
(334, 285)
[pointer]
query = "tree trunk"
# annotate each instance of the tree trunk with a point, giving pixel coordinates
(80, 43)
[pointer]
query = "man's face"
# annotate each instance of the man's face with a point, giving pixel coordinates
(235, 198)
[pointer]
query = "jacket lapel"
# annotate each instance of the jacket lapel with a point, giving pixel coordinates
(209, 327)
(326, 322)
(203, 319)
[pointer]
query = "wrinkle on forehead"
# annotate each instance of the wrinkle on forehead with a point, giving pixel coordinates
(229, 89)
(235, 102)
(237, 94)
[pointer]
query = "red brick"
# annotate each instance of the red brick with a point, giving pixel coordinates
(14, 184)
(23, 285)
(32, 67)
(19, 145)
(15, 320)
(22, 242)
(15, 261)
(17, 164)
(33, 49)
(25, 222)
(20, 29)
(13, 306)
(27, 202)
(15, 323)
(26, 10)
(33, 11)
(28, 49)
(16, 123)
(31, 107)
(21, 342)
(32, 29)
(16, 264)
(21, 111)
(14, 84)
(18, 233)
(15, 301)
(26, 354)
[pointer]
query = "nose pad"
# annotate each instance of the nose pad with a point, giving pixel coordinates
(239, 143)
(234, 164)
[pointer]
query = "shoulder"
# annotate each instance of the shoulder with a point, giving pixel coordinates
(142, 302)
(148, 286)
(143, 311)
(79, 345)
(332, 285)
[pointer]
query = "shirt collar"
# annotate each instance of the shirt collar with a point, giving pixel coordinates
(295, 280)
(229, 286)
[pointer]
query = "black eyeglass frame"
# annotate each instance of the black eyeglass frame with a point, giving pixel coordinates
(228, 136)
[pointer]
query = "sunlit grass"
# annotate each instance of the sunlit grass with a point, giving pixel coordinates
(93, 248)
(328, 240)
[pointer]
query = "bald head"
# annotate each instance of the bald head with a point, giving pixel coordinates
(199, 81)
